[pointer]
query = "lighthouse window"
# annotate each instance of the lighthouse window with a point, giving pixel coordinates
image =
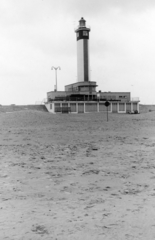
(85, 33)
(77, 34)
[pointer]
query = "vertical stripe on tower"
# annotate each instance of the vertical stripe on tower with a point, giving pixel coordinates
(80, 60)
(86, 60)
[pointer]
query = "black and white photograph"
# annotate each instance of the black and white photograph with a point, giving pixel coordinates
(77, 119)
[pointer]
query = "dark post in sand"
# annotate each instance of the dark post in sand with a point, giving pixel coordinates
(107, 105)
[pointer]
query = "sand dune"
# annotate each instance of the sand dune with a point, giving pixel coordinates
(77, 176)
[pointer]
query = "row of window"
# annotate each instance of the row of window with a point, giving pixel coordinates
(108, 97)
(111, 97)
(93, 106)
(84, 33)
(122, 96)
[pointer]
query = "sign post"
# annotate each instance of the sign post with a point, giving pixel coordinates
(107, 105)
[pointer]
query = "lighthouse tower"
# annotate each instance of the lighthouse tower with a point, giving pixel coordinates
(82, 36)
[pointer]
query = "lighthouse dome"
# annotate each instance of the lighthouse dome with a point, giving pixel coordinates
(82, 22)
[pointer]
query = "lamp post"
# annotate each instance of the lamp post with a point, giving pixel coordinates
(98, 96)
(56, 68)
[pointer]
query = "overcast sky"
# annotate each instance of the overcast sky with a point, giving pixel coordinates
(39, 34)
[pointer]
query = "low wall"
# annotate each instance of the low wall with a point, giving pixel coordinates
(13, 108)
(146, 108)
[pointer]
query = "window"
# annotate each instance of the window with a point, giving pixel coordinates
(77, 34)
(85, 33)
(122, 96)
(50, 106)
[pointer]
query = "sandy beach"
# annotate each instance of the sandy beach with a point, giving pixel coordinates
(77, 176)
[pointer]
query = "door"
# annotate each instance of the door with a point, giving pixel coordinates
(134, 106)
(114, 107)
(80, 107)
(121, 107)
(128, 107)
(73, 107)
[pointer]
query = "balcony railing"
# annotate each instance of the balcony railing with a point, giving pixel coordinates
(79, 27)
(135, 99)
(65, 99)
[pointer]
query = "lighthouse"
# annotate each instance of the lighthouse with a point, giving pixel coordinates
(82, 37)
(82, 96)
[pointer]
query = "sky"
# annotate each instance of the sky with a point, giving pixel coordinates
(39, 34)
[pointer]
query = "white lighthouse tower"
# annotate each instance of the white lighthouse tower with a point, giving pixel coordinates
(82, 35)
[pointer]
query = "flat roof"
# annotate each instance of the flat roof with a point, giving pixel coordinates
(82, 83)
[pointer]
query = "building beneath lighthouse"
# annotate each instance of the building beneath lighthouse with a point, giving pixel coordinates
(82, 97)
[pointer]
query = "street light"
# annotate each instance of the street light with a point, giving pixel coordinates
(56, 68)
